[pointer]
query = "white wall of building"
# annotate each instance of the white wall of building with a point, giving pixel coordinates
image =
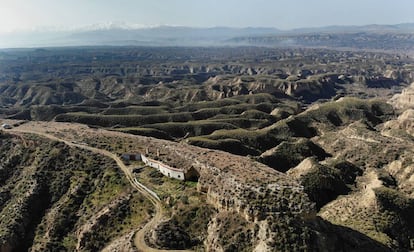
(163, 168)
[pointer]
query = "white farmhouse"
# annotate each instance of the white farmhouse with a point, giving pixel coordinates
(167, 170)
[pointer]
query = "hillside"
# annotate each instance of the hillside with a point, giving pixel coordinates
(231, 191)
(58, 198)
(288, 149)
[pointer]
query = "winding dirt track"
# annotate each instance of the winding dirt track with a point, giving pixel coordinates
(139, 238)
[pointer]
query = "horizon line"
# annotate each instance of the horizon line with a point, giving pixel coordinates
(135, 26)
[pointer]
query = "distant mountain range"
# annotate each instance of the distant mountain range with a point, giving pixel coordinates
(407, 27)
(121, 35)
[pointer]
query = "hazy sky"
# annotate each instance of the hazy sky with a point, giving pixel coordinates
(284, 14)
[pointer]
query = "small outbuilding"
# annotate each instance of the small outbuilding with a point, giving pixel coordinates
(131, 156)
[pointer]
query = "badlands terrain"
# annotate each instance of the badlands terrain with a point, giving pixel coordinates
(289, 149)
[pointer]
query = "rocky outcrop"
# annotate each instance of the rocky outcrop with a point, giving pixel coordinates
(259, 200)
(228, 231)
(290, 153)
(404, 122)
(309, 89)
(402, 168)
(324, 183)
(404, 100)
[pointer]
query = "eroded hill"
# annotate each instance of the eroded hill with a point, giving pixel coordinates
(54, 197)
(273, 208)
(293, 149)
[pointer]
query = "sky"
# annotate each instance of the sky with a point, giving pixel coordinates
(283, 14)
